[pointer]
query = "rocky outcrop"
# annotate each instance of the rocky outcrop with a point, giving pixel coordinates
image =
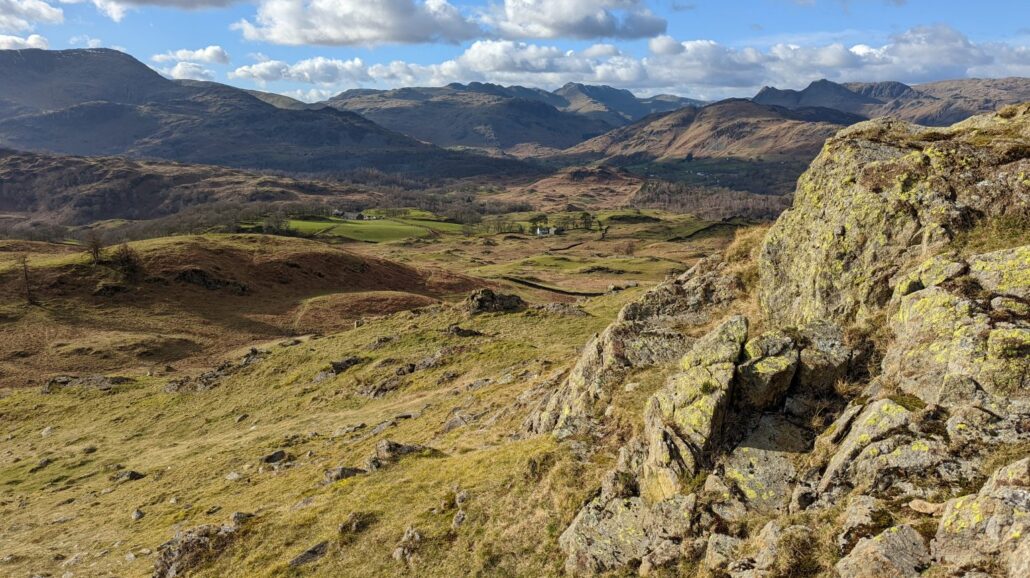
(193, 548)
(862, 291)
(881, 197)
(487, 301)
(641, 336)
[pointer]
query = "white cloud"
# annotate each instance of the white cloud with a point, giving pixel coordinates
(211, 55)
(700, 68)
(319, 70)
(665, 45)
(18, 43)
(362, 22)
(18, 15)
(188, 71)
(575, 19)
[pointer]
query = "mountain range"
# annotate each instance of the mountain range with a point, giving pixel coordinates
(104, 102)
(933, 104)
(484, 115)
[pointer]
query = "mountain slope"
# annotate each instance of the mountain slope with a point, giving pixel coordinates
(481, 116)
(80, 190)
(104, 102)
(730, 128)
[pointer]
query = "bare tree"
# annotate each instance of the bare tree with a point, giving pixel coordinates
(94, 246)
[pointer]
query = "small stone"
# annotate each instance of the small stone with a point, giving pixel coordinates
(310, 555)
(276, 457)
(241, 417)
(232, 477)
(127, 476)
(238, 518)
(459, 519)
(47, 431)
(340, 473)
(924, 507)
(137, 515)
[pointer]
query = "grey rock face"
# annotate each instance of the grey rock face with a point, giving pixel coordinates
(989, 528)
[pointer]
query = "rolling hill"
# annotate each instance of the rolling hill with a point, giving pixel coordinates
(103, 102)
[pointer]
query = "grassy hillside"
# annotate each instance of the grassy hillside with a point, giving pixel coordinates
(68, 504)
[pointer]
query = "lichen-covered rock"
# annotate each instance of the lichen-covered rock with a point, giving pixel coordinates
(989, 529)
(641, 336)
(721, 550)
(682, 419)
(389, 451)
(898, 552)
(761, 468)
(1003, 273)
(487, 301)
(774, 551)
(864, 517)
(879, 420)
(930, 273)
(824, 360)
(880, 197)
(608, 534)
(949, 350)
(192, 548)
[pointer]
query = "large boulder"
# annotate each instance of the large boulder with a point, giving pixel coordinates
(608, 534)
(882, 196)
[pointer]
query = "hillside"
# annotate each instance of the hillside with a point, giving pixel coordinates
(843, 393)
(491, 116)
(730, 128)
(932, 104)
(81, 190)
(103, 102)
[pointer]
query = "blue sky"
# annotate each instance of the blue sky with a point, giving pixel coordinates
(706, 49)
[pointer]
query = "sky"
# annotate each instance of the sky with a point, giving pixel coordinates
(707, 49)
